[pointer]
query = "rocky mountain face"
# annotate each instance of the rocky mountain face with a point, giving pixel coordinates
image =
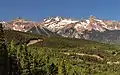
(91, 28)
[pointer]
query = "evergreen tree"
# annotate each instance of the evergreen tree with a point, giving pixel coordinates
(13, 59)
(27, 61)
(3, 52)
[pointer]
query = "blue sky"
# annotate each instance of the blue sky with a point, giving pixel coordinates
(39, 9)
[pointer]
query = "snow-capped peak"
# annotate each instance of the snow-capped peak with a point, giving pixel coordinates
(65, 26)
(56, 23)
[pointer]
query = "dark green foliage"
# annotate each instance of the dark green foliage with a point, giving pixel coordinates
(61, 56)
(19, 37)
(3, 53)
(52, 61)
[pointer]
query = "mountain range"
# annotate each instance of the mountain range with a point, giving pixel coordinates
(107, 31)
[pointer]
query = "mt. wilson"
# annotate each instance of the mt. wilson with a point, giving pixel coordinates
(91, 29)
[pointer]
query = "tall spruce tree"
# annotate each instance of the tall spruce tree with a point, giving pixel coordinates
(3, 53)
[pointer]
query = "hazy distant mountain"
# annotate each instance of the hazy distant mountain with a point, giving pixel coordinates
(108, 36)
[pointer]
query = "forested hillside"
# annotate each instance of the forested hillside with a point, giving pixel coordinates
(56, 56)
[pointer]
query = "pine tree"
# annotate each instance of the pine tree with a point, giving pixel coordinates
(14, 59)
(27, 61)
(3, 52)
(24, 60)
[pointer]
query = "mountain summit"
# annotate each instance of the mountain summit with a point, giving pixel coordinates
(66, 27)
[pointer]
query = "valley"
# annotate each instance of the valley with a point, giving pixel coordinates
(38, 50)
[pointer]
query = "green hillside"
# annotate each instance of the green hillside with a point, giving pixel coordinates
(63, 56)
